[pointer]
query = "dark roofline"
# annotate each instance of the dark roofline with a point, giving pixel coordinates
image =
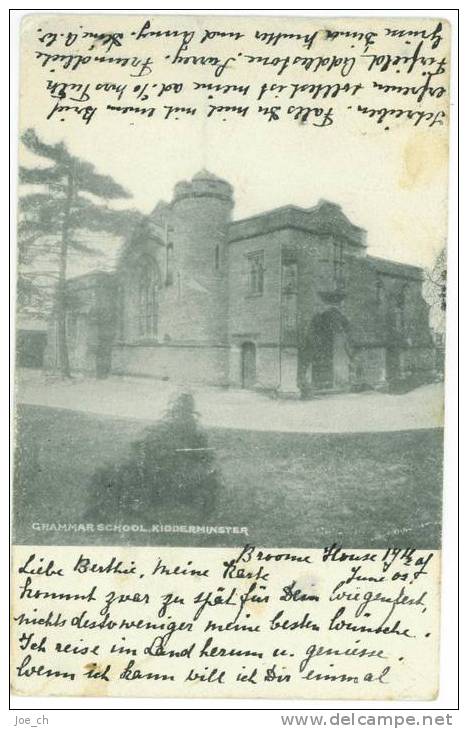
(293, 217)
(300, 209)
(265, 213)
(387, 263)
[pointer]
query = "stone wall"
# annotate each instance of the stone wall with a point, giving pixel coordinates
(255, 317)
(175, 363)
(194, 304)
(214, 327)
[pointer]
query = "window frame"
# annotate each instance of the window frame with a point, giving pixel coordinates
(255, 275)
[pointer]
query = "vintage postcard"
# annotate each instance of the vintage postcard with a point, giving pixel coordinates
(230, 356)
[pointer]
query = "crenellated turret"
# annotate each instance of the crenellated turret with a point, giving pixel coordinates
(199, 218)
(204, 185)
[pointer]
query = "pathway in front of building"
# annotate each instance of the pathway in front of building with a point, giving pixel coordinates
(242, 409)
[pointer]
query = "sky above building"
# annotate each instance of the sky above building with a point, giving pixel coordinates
(391, 182)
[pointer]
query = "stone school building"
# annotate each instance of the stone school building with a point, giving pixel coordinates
(286, 300)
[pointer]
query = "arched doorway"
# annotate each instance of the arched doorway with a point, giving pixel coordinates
(329, 352)
(248, 364)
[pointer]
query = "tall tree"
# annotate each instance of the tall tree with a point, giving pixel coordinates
(68, 204)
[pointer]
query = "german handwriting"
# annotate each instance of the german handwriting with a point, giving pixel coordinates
(246, 616)
(377, 78)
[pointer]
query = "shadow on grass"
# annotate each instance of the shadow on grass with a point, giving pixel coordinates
(77, 475)
(170, 472)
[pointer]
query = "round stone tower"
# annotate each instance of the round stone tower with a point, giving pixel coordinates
(197, 245)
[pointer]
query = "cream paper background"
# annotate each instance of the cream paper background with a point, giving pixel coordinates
(392, 183)
(413, 661)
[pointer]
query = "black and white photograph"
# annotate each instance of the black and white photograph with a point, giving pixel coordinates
(232, 285)
(220, 377)
(229, 325)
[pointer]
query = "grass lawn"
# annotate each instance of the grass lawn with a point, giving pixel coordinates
(290, 490)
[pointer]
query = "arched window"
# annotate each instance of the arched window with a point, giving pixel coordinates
(147, 302)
